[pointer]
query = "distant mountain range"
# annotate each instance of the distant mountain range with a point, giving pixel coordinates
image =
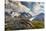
(40, 16)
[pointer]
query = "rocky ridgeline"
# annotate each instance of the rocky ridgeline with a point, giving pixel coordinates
(20, 22)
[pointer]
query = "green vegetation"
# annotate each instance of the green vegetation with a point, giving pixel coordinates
(37, 24)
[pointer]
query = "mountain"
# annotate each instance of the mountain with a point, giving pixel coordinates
(40, 16)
